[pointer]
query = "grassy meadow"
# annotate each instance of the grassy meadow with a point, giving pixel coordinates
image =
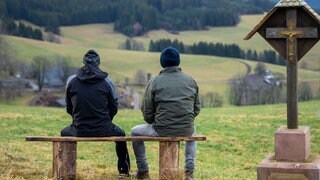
(238, 138)
(212, 73)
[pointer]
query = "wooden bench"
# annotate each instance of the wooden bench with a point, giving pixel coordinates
(65, 152)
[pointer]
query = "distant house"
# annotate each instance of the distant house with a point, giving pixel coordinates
(257, 89)
(56, 76)
(12, 87)
(53, 77)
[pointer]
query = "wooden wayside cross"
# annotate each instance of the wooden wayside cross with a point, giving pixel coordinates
(292, 33)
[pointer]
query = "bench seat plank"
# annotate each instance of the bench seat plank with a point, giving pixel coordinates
(113, 138)
(65, 152)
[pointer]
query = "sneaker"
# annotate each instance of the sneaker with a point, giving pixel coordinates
(188, 175)
(141, 175)
(123, 176)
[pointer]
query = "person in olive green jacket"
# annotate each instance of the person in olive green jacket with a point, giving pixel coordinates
(169, 107)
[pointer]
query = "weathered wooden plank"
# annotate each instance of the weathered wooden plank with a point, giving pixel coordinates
(168, 160)
(292, 77)
(292, 96)
(307, 33)
(128, 138)
(64, 160)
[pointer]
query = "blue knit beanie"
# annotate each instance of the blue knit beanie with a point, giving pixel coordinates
(92, 58)
(170, 57)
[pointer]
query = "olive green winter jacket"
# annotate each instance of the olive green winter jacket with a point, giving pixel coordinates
(171, 103)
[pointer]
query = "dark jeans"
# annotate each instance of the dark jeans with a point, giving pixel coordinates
(121, 147)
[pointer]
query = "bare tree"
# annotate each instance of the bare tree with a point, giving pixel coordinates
(50, 37)
(253, 90)
(40, 67)
(131, 44)
(212, 100)
(63, 64)
(9, 68)
(304, 92)
(238, 89)
(303, 65)
(141, 77)
(6, 60)
(1, 26)
(260, 68)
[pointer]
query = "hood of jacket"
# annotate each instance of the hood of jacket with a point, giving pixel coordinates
(91, 74)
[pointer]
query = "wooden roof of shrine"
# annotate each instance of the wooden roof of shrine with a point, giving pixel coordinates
(285, 4)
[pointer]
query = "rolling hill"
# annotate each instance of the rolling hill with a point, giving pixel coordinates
(238, 137)
(212, 73)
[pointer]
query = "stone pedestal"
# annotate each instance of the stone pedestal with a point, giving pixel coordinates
(270, 169)
(292, 149)
(292, 144)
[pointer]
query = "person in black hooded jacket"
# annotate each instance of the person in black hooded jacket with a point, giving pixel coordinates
(92, 102)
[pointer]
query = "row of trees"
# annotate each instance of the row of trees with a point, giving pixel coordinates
(211, 100)
(257, 89)
(131, 44)
(132, 18)
(8, 67)
(14, 72)
(218, 49)
(41, 66)
(242, 92)
(22, 30)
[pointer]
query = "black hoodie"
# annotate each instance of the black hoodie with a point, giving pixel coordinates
(91, 101)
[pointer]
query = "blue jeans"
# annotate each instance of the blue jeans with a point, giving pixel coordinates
(140, 150)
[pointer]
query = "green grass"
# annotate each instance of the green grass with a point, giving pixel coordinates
(238, 139)
(211, 73)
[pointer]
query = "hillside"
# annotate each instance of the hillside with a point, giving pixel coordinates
(211, 72)
(238, 139)
(132, 18)
(122, 64)
(103, 36)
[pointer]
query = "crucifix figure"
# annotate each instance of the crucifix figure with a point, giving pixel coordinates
(291, 34)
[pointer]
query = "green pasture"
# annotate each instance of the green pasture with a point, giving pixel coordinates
(103, 36)
(238, 138)
(212, 73)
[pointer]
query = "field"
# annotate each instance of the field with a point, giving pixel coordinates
(238, 139)
(212, 73)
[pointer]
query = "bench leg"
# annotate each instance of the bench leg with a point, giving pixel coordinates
(64, 160)
(169, 160)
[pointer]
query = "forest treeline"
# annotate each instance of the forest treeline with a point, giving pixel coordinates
(218, 49)
(22, 30)
(133, 17)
